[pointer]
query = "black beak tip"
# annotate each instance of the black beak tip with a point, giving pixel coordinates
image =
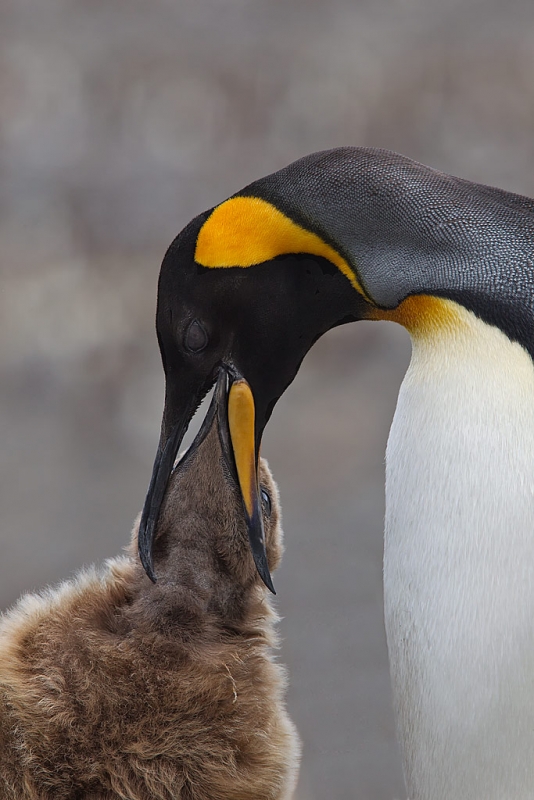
(147, 566)
(265, 575)
(144, 546)
(257, 545)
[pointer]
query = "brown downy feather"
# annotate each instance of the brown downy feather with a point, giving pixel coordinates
(113, 687)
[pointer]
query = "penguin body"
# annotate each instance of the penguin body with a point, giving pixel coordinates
(459, 565)
(353, 234)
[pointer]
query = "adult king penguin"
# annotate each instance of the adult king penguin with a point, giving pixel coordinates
(348, 234)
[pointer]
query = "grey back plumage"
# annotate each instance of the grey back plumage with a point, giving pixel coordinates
(408, 229)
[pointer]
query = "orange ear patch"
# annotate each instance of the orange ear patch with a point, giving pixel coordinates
(244, 231)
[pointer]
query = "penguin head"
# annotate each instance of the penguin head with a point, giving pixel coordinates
(239, 304)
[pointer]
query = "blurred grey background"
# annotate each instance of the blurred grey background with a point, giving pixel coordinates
(121, 120)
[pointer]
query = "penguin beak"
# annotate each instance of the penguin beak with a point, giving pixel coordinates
(241, 427)
(233, 402)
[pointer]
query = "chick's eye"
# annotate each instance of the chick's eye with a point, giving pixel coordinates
(196, 337)
(266, 500)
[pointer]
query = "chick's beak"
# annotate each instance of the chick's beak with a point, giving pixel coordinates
(233, 402)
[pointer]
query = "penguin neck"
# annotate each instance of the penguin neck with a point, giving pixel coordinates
(459, 563)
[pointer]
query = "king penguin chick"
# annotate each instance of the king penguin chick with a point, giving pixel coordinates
(114, 687)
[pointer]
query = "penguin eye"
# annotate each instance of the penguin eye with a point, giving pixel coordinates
(195, 338)
(266, 500)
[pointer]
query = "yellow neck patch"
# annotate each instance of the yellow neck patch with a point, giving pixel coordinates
(244, 231)
(423, 315)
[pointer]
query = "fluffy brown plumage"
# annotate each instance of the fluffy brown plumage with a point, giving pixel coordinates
(112, 687)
